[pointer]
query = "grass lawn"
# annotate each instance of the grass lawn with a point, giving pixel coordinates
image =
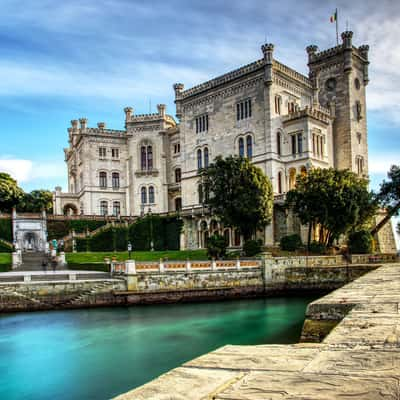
(5, 262)
(98, 257)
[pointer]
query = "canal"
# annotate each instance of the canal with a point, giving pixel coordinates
(100, 353)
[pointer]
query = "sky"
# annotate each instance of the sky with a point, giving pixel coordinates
(62, 60)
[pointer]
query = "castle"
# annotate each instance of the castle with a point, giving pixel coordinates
(285, 122)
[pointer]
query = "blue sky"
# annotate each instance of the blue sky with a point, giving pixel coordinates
(64, 60)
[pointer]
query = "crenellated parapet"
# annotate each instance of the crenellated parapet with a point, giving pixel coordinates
(152, 121)
(317, 113)
(82, 128)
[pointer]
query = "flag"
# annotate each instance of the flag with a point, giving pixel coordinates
(333, 17)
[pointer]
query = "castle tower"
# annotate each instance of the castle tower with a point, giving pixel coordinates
(339, 77)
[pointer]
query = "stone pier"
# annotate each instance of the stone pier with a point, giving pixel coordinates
(359, 359)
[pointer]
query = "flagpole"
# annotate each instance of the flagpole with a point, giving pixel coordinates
(337, 30)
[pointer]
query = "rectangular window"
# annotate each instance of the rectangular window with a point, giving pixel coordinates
(202, 123)
(277, 105)
(293, 144)
(102, 152)
(299, 143)
(115, 153)
(243, 110)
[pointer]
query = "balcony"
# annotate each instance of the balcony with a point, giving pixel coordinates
(147, 172)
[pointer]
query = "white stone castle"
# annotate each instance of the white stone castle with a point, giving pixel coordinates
(285, 122)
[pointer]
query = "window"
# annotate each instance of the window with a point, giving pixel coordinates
(200, 193)
(357, 83)
(358, 110)
(178, 204)
(81, 181)
(206, 157)
(237, 237)
(146, 158)
(116, 208)
(291, 107)
(249, 146)
(151, 194)
(243, 110)
(297, 143)
(82, 208)
(103, 179)
(227, 237)
(360, 165)
(115, 153)
(102, 152)
(199, 159)
(178, 176)
(115, 180)
(318, 145)
(279, 182)
(177, 148)
(202, 123)
(241, 147)
(103, 207)
(278, 143)
(278, 101)
(143, 194)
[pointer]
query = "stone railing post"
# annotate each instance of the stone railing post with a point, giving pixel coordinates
(237, 263)
(213, 264)
(130, 267)
(161, 265)
(27, 278)
(266, 264)
(62, 261)
(16, 260)
(188, 265)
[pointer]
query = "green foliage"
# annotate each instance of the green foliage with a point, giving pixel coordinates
(4, 248)
(164, 231)
(37, 201)
(81, 225)
(58, 229)
(336, 200)
(10, 193)
(240, 193)
(252, 247)
(6, 229)
(317, 247)
(216, 246)
(360, 242)
(290, 242)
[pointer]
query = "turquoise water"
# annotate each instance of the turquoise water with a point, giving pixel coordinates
(99, 353)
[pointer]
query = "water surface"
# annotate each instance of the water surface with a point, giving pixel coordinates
(100, 353)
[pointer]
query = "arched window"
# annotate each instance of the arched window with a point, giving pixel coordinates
(103, 207)
(200, 193)
(178, 176)
(206, 157)
(151, 194)
(178, 204)
(241, 147)
(249, 146)
(149, 157)
(227, 237)
(143, 158)
(116, 208)
(143, 194)
(292, 178)
(199, 160)
(279, 182)
(115, 180)
(237, 237)
(103, 179)
(278, 143)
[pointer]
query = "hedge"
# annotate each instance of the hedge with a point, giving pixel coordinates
(6, 229)
(57, 229)
(164, 231)
(4, 248)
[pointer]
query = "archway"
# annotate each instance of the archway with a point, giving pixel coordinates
(70, 209)
(30, 242)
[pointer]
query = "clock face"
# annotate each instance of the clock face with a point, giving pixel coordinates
(330, 84)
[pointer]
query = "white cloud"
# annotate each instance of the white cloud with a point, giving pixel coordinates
(381, 163)
(26, 171)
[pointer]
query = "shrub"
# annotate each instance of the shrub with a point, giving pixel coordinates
(252, 247)
(57, 229)
(6, 229)
(216, 246)
(291, 242)
(317, 248)
(360, 242)
(5, 248)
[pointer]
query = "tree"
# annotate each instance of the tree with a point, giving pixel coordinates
(37, 201)
(10, 192)
(338, 201)
(240, 194)
(389, 197)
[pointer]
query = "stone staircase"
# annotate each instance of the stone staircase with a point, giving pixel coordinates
(79, 299)
(32, 261)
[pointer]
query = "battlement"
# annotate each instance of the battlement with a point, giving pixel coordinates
(318, 113)
(100, 130)
(284, 69)
(161, 115)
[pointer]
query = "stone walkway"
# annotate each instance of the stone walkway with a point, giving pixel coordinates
(359, 359)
